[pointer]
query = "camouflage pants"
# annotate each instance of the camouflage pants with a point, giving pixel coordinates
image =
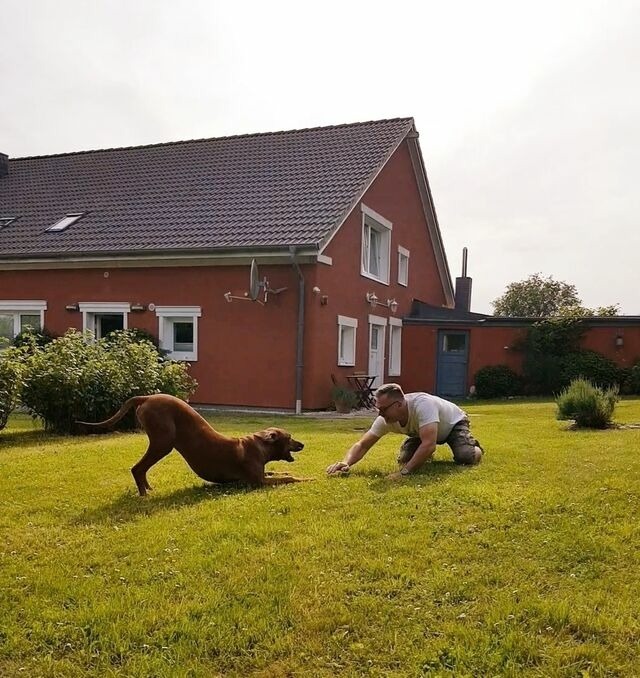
(460, 440)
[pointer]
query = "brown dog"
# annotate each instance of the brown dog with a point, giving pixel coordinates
(170, 423)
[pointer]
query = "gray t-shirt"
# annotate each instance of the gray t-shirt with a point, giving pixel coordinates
(424, 408)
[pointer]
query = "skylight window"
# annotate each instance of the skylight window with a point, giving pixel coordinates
(65, 222)
(5, 221)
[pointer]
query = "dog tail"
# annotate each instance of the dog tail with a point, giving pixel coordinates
(132, 402)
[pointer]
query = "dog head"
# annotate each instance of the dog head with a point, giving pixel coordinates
(279, 444)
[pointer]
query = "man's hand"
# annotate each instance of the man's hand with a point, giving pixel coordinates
(396, 476)
(338, 467)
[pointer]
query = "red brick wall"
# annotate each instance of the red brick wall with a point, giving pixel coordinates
(394, 195)
(495, 345)
(246, 352)
(603, 340)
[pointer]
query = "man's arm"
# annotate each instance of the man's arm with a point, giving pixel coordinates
(428, 440)
(354, 454)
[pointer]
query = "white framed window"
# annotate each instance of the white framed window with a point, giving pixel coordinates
(103, 317)
(16, 316)
(347, 340)
(395, 347)
(178, 331)
(403, 266)
(376, 245)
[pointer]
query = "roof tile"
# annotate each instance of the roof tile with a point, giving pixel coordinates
(261, 190)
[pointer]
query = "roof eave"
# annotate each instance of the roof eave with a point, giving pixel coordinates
(305, 253)
(372, 177)
(431, 217)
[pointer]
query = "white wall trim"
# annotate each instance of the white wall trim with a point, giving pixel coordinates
(26, 305)
(179, 311)
(324, 259)
(395, 321)
(104, 306)
(377, 320)
(344, 320)
(376, 217)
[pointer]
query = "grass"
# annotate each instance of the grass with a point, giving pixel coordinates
(523, 566)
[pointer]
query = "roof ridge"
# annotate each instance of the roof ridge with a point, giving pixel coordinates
(222, 138)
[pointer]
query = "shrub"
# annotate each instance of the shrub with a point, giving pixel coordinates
(542, 374)
(497, 381)
(631, 385)
(74, 377)
(31, 337)
(175, 380)
(10, 382)
(344, 399)
(549, 373)
(592, 366)
(588, 405)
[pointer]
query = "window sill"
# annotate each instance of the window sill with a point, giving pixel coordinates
(182, 357)
(382, 281)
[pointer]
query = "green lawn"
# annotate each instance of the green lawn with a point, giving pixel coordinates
(524, 566)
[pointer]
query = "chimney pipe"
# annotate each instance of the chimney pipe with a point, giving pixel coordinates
(4, 165)
(463, 286)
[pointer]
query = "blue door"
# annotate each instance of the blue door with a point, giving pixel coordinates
(451, 370)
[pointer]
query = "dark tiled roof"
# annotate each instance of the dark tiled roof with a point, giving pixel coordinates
(253, 191)
(421, 311)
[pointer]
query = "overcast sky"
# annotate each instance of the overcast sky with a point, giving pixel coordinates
(528, 112)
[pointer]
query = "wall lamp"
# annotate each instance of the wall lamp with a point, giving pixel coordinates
(373, 301)
(619, 341)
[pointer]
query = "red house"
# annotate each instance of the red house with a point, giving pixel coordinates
(339, 221)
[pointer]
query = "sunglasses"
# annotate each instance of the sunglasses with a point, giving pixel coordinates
(383, 410)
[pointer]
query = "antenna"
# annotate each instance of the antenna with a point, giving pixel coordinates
(254, 287)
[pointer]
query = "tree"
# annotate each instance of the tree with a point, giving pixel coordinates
(539, 297)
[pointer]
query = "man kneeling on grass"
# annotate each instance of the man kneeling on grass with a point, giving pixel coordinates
(427, 421)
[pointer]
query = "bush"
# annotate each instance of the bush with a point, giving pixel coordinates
(75, 378)
(497, 381)
(592, 366)
(10, 381)
(542, 374)
(631, 385)
(344, 399)
(548, 373)
(588, 405)
(31, 338)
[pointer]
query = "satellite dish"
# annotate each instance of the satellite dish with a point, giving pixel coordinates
(254, 281)
(255, 286)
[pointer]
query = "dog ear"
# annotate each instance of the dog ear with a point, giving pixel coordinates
(269, 436)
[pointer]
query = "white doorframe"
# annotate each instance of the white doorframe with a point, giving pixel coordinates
(377, 333)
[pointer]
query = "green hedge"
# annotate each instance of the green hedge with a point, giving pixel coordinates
(10, 382)
(497, 381)
(76, 378)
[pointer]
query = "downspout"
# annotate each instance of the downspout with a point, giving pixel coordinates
(300, 333)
